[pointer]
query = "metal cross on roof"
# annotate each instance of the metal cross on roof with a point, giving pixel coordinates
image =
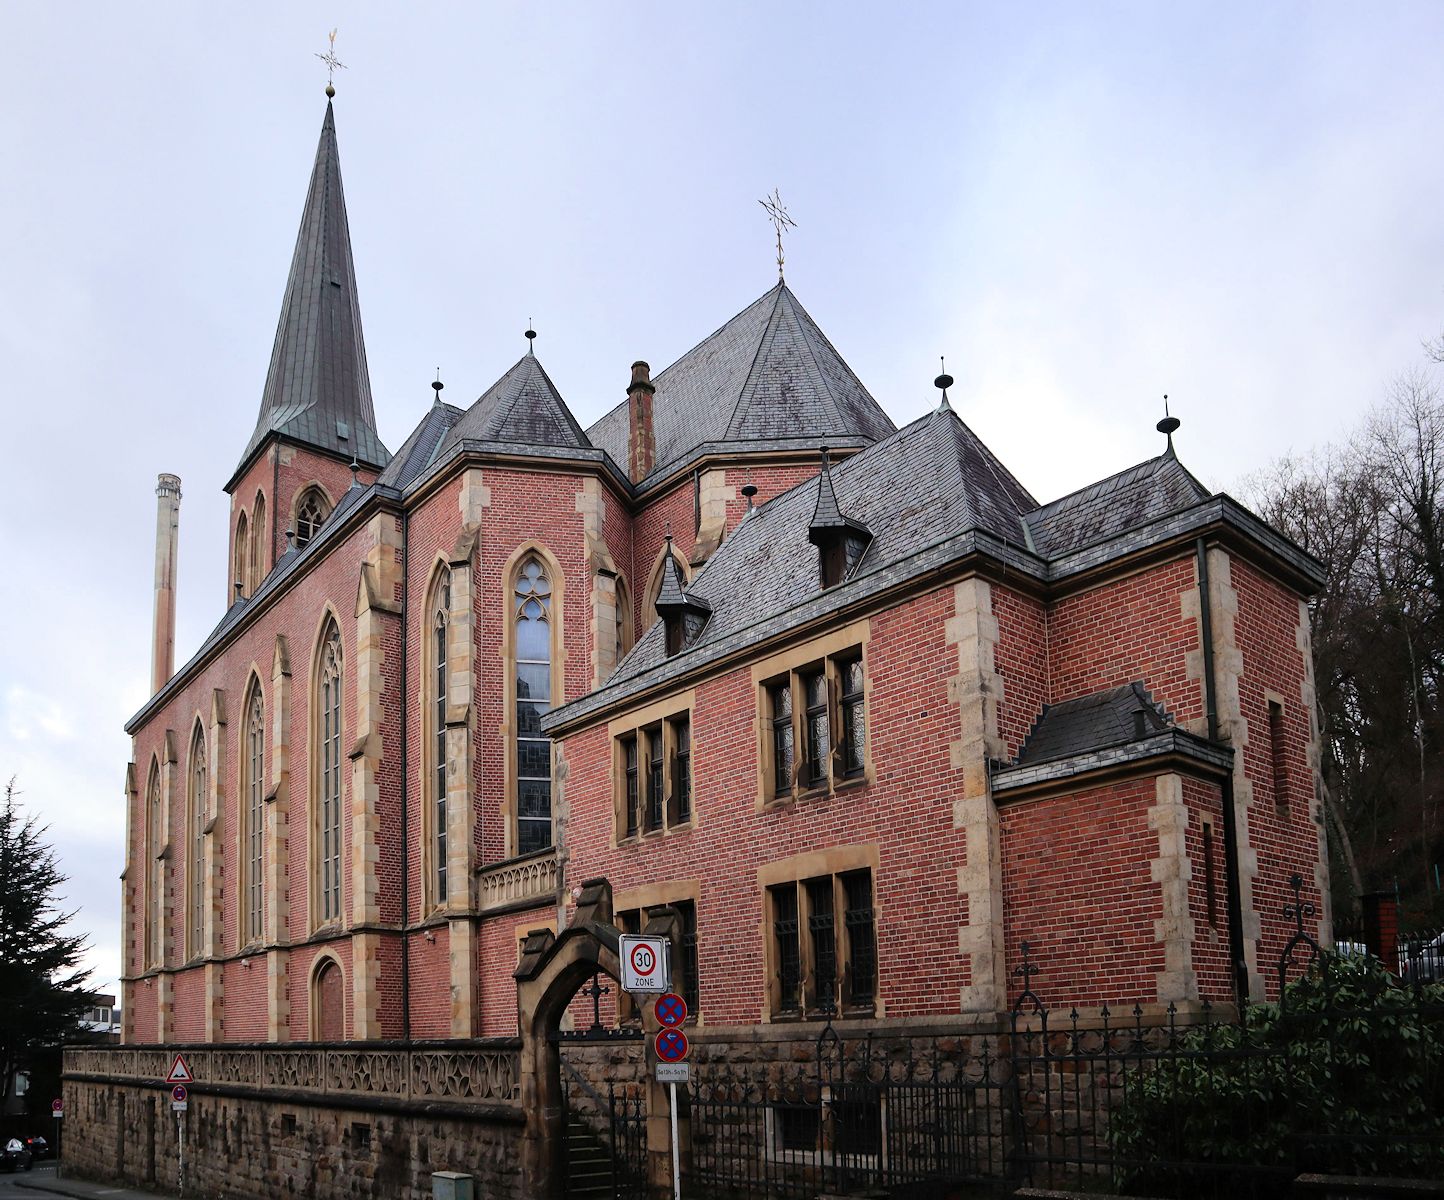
(333, 64)
(772, 206)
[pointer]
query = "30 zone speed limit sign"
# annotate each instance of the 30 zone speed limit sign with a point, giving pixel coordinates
(646, 964)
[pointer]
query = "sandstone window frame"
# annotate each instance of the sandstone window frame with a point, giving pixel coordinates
(328, 788)
(153, 931)
(260, 543)
(241, 564)
(251, 833)
(516, 601)
(670, 721)
(811, 704)
(624, 633)
(197, 782)
(310, 510)
(1276, 713)
(790, 892)
(632, 908)
(437, 692)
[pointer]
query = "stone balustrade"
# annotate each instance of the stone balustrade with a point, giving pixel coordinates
(518, 880)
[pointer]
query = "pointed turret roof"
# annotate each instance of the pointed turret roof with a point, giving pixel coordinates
(768, 375)
(828, 520)
(317, 390)
(523, 408)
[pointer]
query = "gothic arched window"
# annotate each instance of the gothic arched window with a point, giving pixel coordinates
(623, 632)
(253, 792)
(311, 512)
(328, 766)
(154, 872)
(532, 605)
(195, 875)
(243, 555)
(260, 544)
(440, 682)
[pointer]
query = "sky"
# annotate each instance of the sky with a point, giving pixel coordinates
(1083, 207)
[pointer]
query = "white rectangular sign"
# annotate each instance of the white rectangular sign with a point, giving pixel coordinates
(179, 1105)
(646, 964)
(674, 1072)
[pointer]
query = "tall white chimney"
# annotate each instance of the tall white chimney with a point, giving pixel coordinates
(167, 531)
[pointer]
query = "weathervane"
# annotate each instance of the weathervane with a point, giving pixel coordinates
(772, 206)
(333, 64)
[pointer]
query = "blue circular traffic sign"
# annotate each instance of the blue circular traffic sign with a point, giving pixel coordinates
(672, 1045)
(178, 1093)
(671, 1010)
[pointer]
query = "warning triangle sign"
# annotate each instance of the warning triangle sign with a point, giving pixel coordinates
(180, 1071)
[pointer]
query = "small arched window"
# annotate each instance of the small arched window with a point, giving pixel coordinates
(243, 555)
(623, 633)
(260, 544)
(328, 1003)
(532, 612)
(328, 736)
(311, 512)
(154, 872)
(440, 682)
(195, 881)
(253, 803)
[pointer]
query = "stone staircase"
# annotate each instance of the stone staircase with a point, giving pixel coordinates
(589, 1163)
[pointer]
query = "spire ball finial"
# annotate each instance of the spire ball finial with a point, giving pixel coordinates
(530, 336)
(943, 382)
(436, 384)
(1169, 425)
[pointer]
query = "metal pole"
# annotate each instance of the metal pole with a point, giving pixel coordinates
(180, 1141)
(57, 1145)
(676, 1157)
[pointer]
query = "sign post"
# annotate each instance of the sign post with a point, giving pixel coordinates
(180, 1075)
(672, 1049)
(57, 1110)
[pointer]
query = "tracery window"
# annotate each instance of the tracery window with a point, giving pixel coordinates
(154, 873)
(311, 513)
(440, 681)
(329, 764)
(253, 793)
(196, 875)
(533, 614)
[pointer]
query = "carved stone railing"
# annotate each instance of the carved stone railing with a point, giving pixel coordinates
(456, 1072)
(534, 877)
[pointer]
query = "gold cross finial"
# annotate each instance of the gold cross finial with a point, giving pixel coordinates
(772, 206)
(333, 64)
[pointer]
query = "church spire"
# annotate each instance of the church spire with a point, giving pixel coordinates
(318, 392)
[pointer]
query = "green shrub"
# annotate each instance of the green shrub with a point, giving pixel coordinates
(1345, 1077)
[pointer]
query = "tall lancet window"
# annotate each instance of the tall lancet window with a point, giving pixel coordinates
(328, 735)
(533, 614)
(243, 555)
(253, 803)
(195, 876)
(440, 682)
(260, 544)
(154, 873)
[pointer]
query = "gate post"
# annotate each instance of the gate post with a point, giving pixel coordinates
(1381, 928)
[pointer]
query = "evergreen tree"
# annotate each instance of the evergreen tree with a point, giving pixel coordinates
(41, 983)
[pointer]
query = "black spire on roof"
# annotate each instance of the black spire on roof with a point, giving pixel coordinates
(1168, 426)
(839, 539)
(318, 391)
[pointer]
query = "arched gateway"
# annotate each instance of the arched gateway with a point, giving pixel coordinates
(553, 970)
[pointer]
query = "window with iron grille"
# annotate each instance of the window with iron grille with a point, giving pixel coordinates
(819, 710)
(685, 973)
(789, 958)
(832, 971)
(654, 788)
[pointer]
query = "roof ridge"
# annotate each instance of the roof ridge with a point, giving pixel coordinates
(1078, 491)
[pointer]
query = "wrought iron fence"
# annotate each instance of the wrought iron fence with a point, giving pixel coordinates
(1344, 1076)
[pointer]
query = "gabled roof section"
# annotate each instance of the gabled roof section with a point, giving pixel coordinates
(522, 407)
(318, 391)
(420, 449)
(1107, 718)
(1151, 489)
(769, 373)
(928, 481)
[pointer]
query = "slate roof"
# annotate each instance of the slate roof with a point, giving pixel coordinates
(420, 449)
(1111, 505)
(1106, 718)
(769, 373)
(927, 481)
(318, 391)
(523, 407)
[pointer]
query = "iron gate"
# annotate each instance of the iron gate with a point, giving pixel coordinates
(605, 1153)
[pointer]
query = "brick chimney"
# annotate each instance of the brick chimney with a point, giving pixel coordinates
(167, 529)
(639, 408)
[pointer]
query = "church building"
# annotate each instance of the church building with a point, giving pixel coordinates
(844, 697)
